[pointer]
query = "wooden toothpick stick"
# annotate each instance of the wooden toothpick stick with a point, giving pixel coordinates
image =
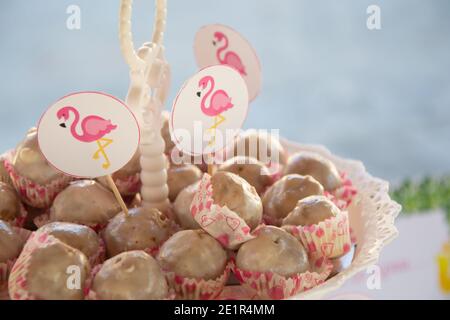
(117, 194)
(211, 164)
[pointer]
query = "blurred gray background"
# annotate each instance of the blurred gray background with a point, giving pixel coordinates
(380, 96)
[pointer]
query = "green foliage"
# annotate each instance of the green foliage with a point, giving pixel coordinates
(427, 194)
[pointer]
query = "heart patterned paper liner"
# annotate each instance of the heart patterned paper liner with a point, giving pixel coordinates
(329, 238)
(17, 282)
(223, 224)
(343, 196)
(272, 286)
(32, 193)
(5, 267)
(198, 289)
(237, 292)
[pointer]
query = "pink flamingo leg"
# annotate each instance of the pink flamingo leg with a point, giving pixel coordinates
(101, 150)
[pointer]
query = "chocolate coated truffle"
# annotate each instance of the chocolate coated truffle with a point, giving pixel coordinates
(142, 229)
(10, 242)
(181, 176)
(193, 254)
(49, 271)
(273, 250)
(311, 210)
(9, 202)
(250, 169)
(282, 197)
(238, 195)
(29, 161)
(260, 145)
(77, 236)
(132, 275)
(313, 164)
(182, 205)
(85, 202)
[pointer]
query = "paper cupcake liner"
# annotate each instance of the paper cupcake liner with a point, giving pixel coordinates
(20, 220)
(100, 255)
(329, 238)
(237, 292)
(34, 194)
(224, 225)
(343, 196)
(90, 294)
(272, 286)
(17, 282)
(197, 289)
(5, 267)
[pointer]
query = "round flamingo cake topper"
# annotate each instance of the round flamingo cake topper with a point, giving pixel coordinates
(88, 134)
(218, 44)
(209, 110)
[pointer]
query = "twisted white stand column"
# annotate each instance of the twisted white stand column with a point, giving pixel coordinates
(150, 79)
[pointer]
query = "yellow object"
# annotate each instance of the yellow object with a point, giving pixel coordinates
(101, 150)
(219, 119)
(444, 267)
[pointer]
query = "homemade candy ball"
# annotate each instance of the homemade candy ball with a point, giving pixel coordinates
(77, 236)
(282, 197)
(142, 229)
(238, 195)
(130, 170)
(165, 132)
(250, 169)
(30, 163)
(258, 144)
(311, 210)
(132, 275)
(193, 254)
(273, 250)
(10, 207)
(85, 202)
(181, 176)
(10, 242)
(313, 164)
(49, 271)
(182, 205)
(4, 174)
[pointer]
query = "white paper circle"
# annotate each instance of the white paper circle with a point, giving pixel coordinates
(223, 101)
(100, 135)
(218, 44)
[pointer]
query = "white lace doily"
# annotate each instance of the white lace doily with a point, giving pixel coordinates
(372, 215)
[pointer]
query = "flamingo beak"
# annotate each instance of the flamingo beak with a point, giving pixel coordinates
(199, 94)
(62, 125)
(214, 43)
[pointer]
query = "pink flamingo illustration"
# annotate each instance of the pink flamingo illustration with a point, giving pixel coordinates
(231, 58)
(94, 128)
(219, 103)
